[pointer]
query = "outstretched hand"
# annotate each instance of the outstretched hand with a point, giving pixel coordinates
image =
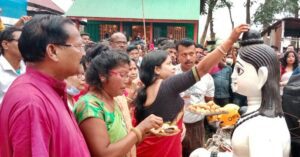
(237, 31)
(22, 21)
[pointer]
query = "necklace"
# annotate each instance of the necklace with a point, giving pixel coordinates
(245, 115)
(248, 116)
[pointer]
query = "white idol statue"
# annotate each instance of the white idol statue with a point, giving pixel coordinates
(262, 131)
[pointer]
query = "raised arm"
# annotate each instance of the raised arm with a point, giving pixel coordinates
(216, 55)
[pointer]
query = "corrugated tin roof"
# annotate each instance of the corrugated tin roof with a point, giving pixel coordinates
(291, 27)
(154, 9)
(47, 4)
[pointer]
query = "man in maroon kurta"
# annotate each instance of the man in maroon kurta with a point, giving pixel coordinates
(34, 117)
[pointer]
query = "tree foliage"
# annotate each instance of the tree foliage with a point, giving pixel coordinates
(203, 7)
(228, 4)
(292, 7)
(207, 7)
(267, 11)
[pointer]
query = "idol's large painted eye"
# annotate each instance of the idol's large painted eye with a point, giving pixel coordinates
(239, 70)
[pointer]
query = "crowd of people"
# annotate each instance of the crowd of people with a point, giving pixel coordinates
(62, 94)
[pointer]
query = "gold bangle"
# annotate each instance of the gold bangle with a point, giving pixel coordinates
(195, 73)
(138, 134)
(221, 49)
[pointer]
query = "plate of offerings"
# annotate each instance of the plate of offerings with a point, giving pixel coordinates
(206, 109)
(167, 129)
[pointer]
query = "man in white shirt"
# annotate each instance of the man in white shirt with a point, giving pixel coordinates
(11, 64)
(202, 91)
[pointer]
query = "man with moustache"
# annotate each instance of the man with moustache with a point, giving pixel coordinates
(170, 47)
(34, 118)
(202, 91)
(11, 63)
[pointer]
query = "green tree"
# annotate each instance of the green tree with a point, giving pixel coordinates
(267, 11)
(248, 5)
(292, 6)
(228, 4)
(207, 7)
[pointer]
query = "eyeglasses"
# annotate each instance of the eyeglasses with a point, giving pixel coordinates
(80, 46)
(122, 75)
(16, 40)
(120, 42)
(81, 76)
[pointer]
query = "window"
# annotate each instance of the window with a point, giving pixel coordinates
(138, 30)
(106, 30)
(176, 32)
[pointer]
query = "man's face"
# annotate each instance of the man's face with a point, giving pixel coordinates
(69, 56)
(199, 50)
(200, 54)
(12, 46)
(172, 53)
(186, 56)
(85, 39)
(134, 54)
(290, 48)
(119, 42)
(278, 54)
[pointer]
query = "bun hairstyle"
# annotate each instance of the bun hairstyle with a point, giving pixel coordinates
(251, 37)
(254, 52)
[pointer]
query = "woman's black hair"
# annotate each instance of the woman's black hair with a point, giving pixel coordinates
(102, 64)
(132, 60)
(254, 52)
(148, 76)
(284, 59)
(92, 52)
